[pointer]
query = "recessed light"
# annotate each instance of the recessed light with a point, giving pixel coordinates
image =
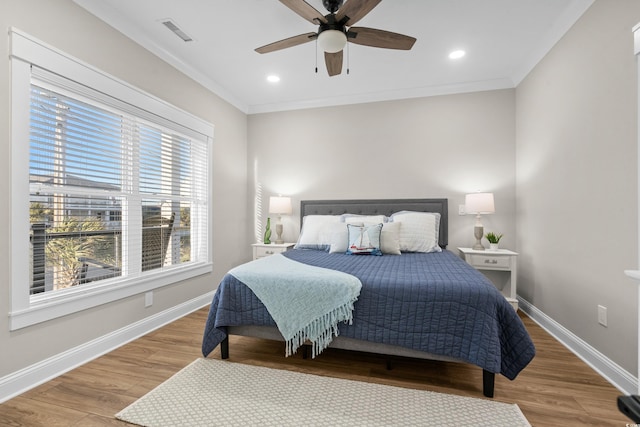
(273, 78)
(457, 54)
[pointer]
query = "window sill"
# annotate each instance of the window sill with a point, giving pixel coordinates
(42, 309)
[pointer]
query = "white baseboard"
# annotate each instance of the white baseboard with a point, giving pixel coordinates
(609, 370)
(20, 381)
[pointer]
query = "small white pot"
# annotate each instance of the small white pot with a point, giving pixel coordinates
(494, 246)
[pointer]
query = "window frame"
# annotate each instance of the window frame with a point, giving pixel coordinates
(25, 309)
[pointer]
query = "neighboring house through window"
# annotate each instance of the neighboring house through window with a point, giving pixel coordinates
(117, 183)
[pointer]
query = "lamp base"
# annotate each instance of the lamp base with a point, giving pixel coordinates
(279, 234)
(478, 232)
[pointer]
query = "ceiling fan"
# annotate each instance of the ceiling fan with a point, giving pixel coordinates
(335, 30)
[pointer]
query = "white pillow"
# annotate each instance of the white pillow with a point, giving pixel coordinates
(315, 233)
(390, 238)
(340, 237)
(419, 231)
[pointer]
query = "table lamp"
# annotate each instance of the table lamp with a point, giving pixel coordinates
(479, 203)
(279, 206)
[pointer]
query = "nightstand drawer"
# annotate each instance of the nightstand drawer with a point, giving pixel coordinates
(261, 250)
(490, 261)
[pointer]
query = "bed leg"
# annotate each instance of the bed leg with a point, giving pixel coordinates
(224, 348)
(488, 382)
(305, 351)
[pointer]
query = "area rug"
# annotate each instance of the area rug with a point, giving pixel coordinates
(212, 392)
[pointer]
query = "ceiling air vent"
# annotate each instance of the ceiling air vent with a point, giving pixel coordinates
(176, 30)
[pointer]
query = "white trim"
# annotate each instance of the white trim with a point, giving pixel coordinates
(36, 52)
(636, 39)
(20, 84)
(393, 95)
(72, 300)
(25, 379)
(635, 274)
(608, 369)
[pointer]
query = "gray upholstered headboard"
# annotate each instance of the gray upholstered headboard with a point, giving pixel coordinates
(380, 207)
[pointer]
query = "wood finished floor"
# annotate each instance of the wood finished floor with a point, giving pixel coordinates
(556, 389)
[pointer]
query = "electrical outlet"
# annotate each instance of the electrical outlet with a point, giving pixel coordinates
(461, 210)
(148, 299)
(602, 315)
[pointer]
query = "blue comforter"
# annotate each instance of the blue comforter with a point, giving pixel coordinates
(432, 302)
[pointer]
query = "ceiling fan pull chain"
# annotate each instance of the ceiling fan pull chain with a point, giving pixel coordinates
(348, 58)
(316, 56)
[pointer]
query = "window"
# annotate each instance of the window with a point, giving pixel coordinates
(117, 184)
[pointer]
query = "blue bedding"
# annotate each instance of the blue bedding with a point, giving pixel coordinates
(432, 302)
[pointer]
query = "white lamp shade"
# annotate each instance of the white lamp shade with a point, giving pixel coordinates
(280, 205)
(332, 41)
(479, 203)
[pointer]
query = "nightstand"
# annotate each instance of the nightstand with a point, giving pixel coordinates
(496, 260)
(261, 250)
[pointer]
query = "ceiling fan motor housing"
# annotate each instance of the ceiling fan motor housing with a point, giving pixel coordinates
(331, 24)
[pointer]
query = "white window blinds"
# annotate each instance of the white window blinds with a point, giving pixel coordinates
(115, 191)
(110, 187)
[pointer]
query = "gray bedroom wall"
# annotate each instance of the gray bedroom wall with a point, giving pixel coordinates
(577, 181)
(444, 146)
(71, 29)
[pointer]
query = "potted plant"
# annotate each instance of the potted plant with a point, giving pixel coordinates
(493, 239)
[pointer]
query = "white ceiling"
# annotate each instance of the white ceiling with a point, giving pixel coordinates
(504, 39)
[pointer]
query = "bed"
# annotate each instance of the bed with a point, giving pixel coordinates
(421, 301)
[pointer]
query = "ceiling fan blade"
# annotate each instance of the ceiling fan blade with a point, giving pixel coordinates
(305, 10)
(333, 61)
(379, 38)
(355, 10)
(290, 42)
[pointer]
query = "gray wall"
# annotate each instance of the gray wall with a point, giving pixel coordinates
(442, 146)
(62, 24)
(577, 189)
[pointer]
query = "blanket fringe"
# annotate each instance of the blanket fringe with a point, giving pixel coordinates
(321, 331)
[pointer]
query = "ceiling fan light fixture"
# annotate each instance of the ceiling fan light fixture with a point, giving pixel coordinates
(332, 41)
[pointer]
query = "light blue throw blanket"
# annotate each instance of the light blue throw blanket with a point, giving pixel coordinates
(306, 302)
